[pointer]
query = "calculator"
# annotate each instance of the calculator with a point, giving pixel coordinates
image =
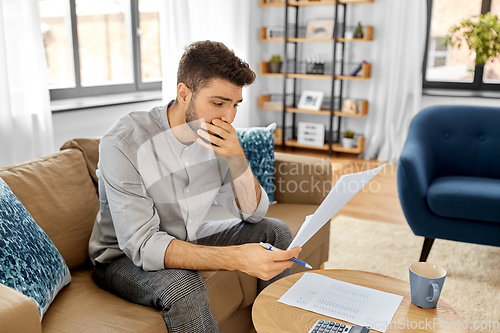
(323, 326)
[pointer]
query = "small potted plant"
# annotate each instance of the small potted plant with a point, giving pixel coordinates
(481, 34)
(275, 63)
(359, 31)
(348, 139)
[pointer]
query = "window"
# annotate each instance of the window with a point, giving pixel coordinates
(454, 68)
(97, 47)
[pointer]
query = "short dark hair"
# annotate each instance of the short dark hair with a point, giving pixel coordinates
(206, 60)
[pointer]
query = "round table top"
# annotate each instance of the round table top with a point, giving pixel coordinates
(270, 316)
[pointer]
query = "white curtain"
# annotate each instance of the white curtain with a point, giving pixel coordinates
(396, 85)
(25, 116)
(185, 21)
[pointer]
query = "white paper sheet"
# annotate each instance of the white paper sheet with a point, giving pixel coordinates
(346, 187)
(341, 300)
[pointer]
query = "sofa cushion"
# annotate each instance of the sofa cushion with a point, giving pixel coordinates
(462, 197)
(60, 195)
(84, 307)
(258, 145)
(302, 179)
(90, 150)
(29, 261)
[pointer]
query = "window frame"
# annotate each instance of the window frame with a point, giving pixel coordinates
(80, 91)
(477, 84)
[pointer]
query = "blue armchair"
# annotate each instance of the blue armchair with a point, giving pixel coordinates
(449, 175)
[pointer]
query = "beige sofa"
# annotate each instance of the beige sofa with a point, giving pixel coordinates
(60, 192)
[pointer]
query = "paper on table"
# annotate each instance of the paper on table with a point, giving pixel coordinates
(346, 187)
(341, 300)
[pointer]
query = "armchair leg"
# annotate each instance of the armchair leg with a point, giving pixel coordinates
(426, 248)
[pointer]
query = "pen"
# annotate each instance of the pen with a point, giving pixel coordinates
(295, 260)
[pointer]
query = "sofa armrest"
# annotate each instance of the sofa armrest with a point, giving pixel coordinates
(301, 179)
(18, 313)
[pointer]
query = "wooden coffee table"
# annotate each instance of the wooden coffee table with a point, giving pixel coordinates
(270, 316)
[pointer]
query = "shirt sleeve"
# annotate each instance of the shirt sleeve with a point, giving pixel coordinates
(226, 197)
(135, 219)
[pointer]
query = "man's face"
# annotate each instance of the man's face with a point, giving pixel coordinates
(218, 100)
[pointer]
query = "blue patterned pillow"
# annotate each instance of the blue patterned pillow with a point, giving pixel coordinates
(258, 145)
(29, 261)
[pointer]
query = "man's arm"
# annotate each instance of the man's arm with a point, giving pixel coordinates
(247, 187)
(250, 258)
(226, 144)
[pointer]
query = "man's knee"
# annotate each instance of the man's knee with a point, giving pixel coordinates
(182, 286)
(280, 231)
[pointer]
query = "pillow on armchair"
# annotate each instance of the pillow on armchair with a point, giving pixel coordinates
(29, 261)
(258, 145)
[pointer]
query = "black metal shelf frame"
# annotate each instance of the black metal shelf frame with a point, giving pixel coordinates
(338, 27)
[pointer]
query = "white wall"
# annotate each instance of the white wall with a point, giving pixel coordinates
(91, 122)
(441, 100)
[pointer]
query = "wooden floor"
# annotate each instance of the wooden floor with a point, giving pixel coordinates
(378, 200)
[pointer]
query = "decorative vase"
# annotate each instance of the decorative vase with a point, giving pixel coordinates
(275, 67)
(347, 143)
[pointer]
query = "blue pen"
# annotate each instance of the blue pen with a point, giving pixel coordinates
(295, 260)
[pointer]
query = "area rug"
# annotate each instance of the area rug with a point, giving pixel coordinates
(472, 286)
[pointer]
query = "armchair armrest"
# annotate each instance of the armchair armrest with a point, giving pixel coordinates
(18, 313)
(301, 179)
(415, 169)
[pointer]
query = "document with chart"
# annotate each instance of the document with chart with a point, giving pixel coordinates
(341, 300)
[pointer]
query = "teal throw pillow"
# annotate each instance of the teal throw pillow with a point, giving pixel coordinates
(29, 261)
(258, 145)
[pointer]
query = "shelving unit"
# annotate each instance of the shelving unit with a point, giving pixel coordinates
(289, 71)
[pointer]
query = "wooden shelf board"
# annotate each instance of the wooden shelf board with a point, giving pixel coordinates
(270, 106)
(294, 143)
(353, 2)
(339, 148)
(309, 76)
(345, 114)
(353, 78)
(295, 110)
(335, 147)
(306, 40)
(365, 73)
(273, 39)
(272, 74)
(312, 3)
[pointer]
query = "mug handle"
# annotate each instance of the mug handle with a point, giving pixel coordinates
(436, 291)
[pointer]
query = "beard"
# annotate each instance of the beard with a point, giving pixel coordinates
(191, 117)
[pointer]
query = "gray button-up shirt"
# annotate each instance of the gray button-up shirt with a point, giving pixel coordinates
(153, 188)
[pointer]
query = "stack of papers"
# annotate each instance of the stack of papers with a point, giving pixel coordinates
(341, 300)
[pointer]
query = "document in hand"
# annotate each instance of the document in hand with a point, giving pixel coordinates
(346, 187)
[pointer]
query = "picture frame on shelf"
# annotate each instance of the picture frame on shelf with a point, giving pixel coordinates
(319, 29)
(311, 100)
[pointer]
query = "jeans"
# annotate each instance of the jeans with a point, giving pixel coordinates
(181, 294)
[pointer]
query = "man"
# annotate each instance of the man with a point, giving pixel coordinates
(159, 172)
